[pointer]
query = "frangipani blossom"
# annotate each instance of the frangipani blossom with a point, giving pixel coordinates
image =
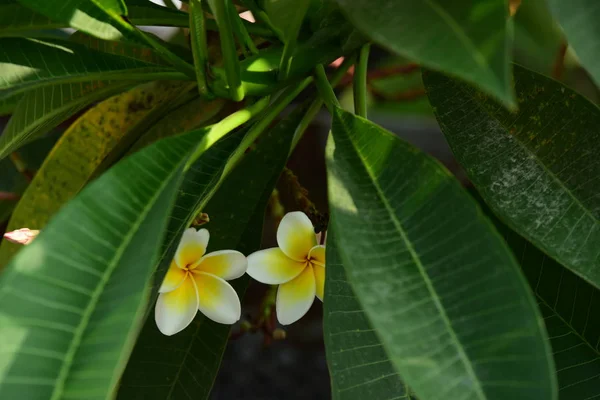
(197, 281)
(297, 266)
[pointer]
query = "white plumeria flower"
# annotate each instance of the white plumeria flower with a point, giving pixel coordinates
(297, 266)
(196, 281)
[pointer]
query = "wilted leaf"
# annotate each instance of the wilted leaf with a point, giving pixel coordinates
(537, 169)
(428, 269)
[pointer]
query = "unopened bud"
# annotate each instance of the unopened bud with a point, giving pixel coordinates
(201, 219)
(279, 334)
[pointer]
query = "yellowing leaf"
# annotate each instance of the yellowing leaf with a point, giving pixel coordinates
(81, 150)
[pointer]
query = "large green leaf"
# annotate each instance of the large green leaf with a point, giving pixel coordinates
(72, 301)
(537, 169)
(579, 20)
(569, 305)
(236, 213)
(30, 63)
(81, 153)
(42, 109)
(358, 363)
(468, 39)
(432, 275)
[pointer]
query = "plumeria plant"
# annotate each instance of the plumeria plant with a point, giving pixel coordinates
(154, 206)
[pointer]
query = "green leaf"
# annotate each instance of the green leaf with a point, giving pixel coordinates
(7, 106)
(536, 168)
(80, 153)
(72, 301)
(579, 20)
(236, 215)
(99, 18)
(358, 364)
(538, 37)
(19, 20)
(143, 12)
(287, 16)
(568, 305)
(432, 275)
(471, 40)
(28, 63)
(40, 110)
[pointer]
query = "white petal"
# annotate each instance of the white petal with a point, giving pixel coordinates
(295, 297)
(175, 310)
(173, 279)
(296, 235)
(226, 264)
(217, 299)
(272, 266)
(191, 247)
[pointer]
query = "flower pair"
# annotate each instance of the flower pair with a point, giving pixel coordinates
(198, 281)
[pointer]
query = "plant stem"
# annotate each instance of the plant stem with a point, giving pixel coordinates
(325, 90)
(262, 16)
(292, 35)
(180, 64)
(241, 32)
(360, 82)
(232, 64)
(226, 125)
(199, 45)
(278, 105)
(318, 103)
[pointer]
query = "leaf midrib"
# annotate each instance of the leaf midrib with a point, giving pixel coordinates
(95, 298)
(420, 266)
